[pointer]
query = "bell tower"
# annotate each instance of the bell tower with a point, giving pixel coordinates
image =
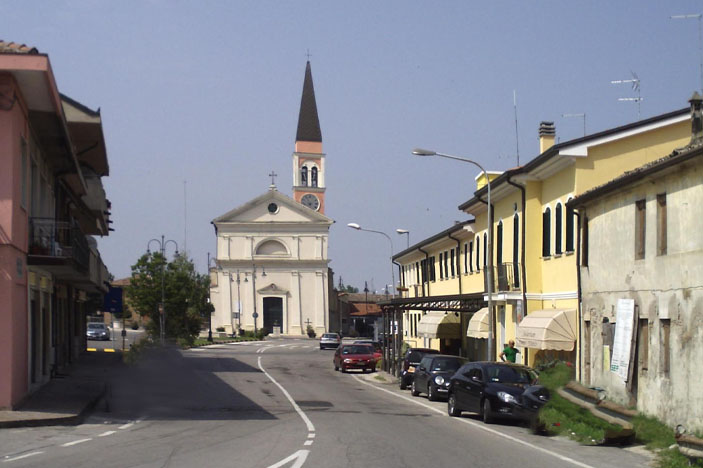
(308, 158)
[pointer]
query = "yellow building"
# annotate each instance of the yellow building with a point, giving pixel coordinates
(534, 236)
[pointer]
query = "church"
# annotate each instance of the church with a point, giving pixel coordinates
(272, 265)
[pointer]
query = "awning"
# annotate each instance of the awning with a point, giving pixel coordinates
(440, 325)
(478, 325)
(548, 329)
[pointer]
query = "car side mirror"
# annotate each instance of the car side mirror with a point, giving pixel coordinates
(476, 379)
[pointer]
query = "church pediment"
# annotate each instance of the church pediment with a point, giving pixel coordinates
(272, 289)
(272, 207)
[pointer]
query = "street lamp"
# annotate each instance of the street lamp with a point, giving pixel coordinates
(406, 232)
(489, 246)
(253, 286)
(162, 312)
(359, 228)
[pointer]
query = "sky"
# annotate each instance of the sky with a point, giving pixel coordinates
(200, 101)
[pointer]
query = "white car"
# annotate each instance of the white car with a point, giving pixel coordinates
(330, 340)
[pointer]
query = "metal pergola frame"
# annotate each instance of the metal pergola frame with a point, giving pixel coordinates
(467, 303)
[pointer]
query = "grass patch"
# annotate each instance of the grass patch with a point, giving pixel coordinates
(204, 342)
(131, 356)
(672, 458)
(653, 433)
(380, 378)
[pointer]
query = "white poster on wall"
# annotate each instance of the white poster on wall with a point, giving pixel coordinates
(622, 343)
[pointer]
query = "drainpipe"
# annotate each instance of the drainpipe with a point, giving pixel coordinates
(458, 264)
(578, 291)
(522, 252)
(426, 273)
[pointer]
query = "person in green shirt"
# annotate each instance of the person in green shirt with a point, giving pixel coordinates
(510, 352)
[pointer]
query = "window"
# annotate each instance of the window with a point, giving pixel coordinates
(423, 274)
(485, 249)
(466, 257)
(570, 229)
(665, 345)
(23, 182)
(313, 177)
(433, 275)
(499, 243)
(478, 253)
(446, 264)
(584, 242)
(661, 224)
(304, 176)
(516, 238)
(546, 222)
(557, 230)
(417, 273)
(471, 256)
(640, 217)
(643, 344)
(453, 263)
(441, 265)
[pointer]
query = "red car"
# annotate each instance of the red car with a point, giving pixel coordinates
(355, 356)
(377, 349)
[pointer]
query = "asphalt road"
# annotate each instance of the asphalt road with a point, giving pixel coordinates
(281, 404)
(115, 341)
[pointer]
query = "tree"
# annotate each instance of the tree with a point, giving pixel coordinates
(185, 294)
(351, 289)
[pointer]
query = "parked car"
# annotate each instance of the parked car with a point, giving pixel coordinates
(377, 348)
(496, 390)
(98, 331)
(433, 374)
(330, 340)
(411, 360)
(354, 356)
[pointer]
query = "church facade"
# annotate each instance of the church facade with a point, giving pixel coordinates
(272, 265)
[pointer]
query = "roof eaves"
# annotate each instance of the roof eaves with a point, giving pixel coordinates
(434, 238)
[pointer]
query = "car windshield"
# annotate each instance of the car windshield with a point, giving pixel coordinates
(510, 374)
(416, 356)
(329, 335)
(447, 364)
(98, 326)
(357, 349)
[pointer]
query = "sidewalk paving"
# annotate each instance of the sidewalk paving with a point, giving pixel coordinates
(66, 400)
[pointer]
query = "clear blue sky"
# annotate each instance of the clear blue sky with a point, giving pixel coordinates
(208, 92)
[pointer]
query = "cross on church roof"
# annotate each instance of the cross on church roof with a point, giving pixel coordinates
(273, 176)
(308, 54)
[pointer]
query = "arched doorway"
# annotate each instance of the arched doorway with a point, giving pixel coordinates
(273, 313)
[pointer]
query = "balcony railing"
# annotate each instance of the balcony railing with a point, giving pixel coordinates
(506, 277)
(58, 239)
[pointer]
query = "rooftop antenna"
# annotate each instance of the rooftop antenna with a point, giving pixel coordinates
(700, 37)
(582, 115)
(635, 87)
(517, 141)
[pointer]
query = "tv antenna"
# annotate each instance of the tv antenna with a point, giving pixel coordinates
(635, 81)
(700, 37)
(582, 115)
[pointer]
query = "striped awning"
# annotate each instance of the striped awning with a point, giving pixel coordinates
(548, 329)
(478, 325)
(440, 325)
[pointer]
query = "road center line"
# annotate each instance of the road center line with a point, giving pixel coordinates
(126, 426)
(481, 427)
(75, 442)
(105, 434)
(303, 416)
(19, 457)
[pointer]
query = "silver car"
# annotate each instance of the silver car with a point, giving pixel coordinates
(98, 331)
(330, 340)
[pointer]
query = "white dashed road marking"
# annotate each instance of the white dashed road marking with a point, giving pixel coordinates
(75, 442)
(303, 416)
(126, 426)
(20, 457)
(104, 434)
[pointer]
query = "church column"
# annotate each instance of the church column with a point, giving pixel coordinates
(298, 289)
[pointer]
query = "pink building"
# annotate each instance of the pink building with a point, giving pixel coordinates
(52, 201)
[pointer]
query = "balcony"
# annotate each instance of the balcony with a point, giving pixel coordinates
(58, 246)
(506, 277)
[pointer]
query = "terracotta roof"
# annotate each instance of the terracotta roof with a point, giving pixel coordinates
(358, 310)
(122, 282)
(14, 48)
(308, 122)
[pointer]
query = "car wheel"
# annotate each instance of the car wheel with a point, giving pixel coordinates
(344, 370)
(336, 368)
(430, 393)
(451, 406)
(487, 412)
(413, 389)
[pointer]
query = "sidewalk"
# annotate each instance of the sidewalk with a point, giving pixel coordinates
(68, 399)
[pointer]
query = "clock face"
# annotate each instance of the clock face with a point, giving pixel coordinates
(310, 201)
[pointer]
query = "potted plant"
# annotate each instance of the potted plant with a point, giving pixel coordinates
(310, 331)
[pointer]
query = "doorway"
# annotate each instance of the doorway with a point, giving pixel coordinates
(273, 314)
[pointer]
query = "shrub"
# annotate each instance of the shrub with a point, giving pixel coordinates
(311, 331)
(261, 333)
(135, 326)
(220, 329)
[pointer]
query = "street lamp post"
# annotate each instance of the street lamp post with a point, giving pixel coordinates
(489, 246)
(253, 285)
(209, 312)
(407, 233)
(359, 228)
(162, 312)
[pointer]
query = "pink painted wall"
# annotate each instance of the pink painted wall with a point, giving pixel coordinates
(13, 252)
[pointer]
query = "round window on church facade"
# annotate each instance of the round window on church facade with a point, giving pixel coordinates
(273, 208)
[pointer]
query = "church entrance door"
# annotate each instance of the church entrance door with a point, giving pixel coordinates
(273, 313)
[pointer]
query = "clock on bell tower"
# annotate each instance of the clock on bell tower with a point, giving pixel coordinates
(308, 158)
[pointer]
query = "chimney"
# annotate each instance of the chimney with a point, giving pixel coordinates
(696, 118)
(546, 136)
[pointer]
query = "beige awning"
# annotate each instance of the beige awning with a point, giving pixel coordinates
(439, 325)
(478, 325)
(548, 329)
